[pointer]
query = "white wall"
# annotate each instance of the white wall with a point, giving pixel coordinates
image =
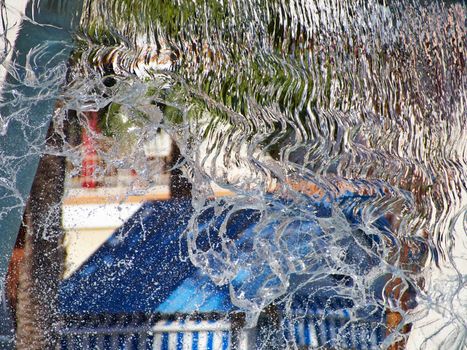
(443, 325)
(15, 12)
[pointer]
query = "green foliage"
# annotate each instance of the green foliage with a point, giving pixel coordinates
(218, 69)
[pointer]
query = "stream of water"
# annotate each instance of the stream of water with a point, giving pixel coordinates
(341, 123)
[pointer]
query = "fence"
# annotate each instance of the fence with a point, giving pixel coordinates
(147, 332)
(141, 332)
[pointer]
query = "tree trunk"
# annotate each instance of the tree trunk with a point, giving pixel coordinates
(41, 267)
(180, 187)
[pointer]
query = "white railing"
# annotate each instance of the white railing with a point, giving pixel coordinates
(163, 335)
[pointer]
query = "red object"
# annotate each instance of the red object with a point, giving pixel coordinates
(89, 163)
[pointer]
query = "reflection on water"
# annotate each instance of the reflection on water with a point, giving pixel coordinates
(340, 123)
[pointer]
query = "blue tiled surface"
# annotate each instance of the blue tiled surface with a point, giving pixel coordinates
(144, 267)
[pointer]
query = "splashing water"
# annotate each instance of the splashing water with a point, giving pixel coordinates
(340, 124)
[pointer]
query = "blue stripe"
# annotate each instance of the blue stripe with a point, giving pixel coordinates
(225, 340)
(380, 334)
(75, 344)
(165, 341)
(121, 342)
(93, 341)
(210, 340)
(358, 336)
(369, 333)
(63, 343)
(135, 341)
(149, 342)
(327, 330)
(107, 342)
(346, 313)
(306, 331)
(286, 328)
(194, 345)
(338, 330)
(297, 333)
(180, 341)
(348, 337)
